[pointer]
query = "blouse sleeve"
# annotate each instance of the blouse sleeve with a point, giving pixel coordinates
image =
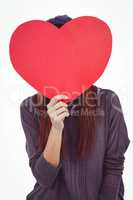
(44, 172)
(117, 144)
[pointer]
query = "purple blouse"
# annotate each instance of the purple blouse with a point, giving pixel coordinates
(99, 176)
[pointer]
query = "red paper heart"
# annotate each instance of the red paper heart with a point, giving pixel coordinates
(61, 60)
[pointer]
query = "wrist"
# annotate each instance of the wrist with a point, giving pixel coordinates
(56, 130)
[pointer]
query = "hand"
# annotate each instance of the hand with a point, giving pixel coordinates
(57, 111)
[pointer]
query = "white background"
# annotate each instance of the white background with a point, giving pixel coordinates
(16, 178)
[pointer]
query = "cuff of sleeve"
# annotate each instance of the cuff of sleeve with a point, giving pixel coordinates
(47, 172)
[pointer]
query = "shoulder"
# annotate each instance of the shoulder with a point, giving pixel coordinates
(106, 91)
(109, 98)
(109, 93)
(28, 104)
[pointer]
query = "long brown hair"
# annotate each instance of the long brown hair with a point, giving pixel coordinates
(84, 112)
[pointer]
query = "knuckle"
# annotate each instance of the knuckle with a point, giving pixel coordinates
(61, 103)
(64, 109)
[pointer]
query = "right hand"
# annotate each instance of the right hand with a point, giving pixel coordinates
(57, 111)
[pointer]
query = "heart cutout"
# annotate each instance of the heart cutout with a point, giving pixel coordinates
(64, 60)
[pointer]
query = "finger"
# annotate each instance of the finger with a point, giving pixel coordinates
(60, 104)
(62, 116)
(51, 110)
(56, 107)
(63, 109)
(56, 98)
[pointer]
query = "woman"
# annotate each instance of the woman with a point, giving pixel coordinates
(76, 149)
